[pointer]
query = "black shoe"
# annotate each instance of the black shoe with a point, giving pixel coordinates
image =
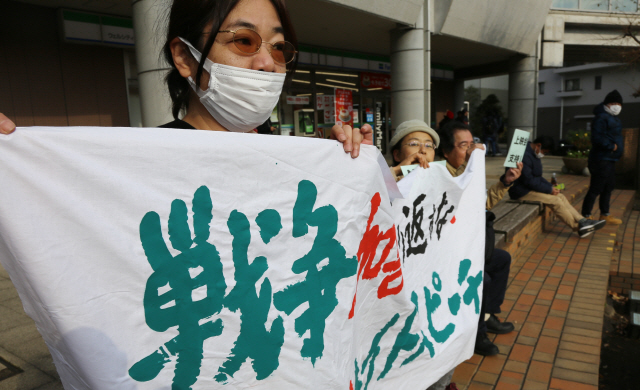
(588, 226)
(484, 346)
(495, 326)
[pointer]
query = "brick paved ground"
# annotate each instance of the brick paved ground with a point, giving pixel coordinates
(555, 298)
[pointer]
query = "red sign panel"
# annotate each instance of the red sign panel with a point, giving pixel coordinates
(375, 80)
(344, 107)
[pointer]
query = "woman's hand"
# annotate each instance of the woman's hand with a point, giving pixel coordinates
(6, 125)
(416, 158)
(351, 138)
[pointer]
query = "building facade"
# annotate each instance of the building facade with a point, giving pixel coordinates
(98, 63)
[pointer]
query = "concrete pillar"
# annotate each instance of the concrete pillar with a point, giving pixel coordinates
(428, 23)
(149, 18)
(523, 93)
(407, 73)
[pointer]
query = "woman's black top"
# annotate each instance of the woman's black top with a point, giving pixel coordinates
(178, 124)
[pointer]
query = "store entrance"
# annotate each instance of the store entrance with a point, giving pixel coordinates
(376, 111)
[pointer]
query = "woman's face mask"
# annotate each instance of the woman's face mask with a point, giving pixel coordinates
(238, 99)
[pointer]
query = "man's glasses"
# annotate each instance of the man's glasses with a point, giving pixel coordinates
(466, 145)
(249, 41)
(416, 144)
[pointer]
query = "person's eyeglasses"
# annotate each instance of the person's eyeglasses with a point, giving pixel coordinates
(250, 42)
(466, 145)
(416, 144)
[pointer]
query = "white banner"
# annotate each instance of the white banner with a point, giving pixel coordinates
(158, 258)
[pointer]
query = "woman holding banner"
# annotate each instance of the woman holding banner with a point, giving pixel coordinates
(250, 48)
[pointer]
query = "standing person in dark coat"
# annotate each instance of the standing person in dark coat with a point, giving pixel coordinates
(607, 148)
(533, 187)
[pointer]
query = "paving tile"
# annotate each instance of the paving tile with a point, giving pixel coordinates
(515, 366)
(511, 378)
(543, 357)
(479, 386)
(575, 376)
(521, 353)
(463, 373)
(531, 329)
(576, 366)
(493, 364)
(555, 323)
(485, 377)
(580, 339)
(547, 344)
(531, 385)
(539, 371)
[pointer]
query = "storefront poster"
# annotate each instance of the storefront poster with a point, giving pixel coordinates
(156, 267)
(344, 107)
(375, 80)
(300, 100)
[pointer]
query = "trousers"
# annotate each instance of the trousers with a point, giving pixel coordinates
(603, 180)
(494, 285)
(559, 205)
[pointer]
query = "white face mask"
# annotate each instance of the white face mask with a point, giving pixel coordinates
(613, 110)
(239, 99)
(539, 155)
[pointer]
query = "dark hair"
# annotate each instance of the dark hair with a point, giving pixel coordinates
(447, 133)
(188, 20)
(546, 142)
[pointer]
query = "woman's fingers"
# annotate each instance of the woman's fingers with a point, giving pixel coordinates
(357, 140)
(6, 125)
(367, 134)
(352, 138)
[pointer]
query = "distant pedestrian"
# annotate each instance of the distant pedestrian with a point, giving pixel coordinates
(448, 117)
(607, 148)
(492, 126)
(463, 116)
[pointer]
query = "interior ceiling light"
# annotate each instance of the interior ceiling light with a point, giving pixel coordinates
(341, 82)
(373, 89)
(304, 94)
(301, 81)
(302, 71)
(338, 74)
(337, 86)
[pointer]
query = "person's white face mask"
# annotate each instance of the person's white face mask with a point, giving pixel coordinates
(613, 110)
(237, 98)
(539, 153)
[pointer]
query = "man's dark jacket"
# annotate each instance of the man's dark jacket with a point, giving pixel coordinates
(531, 178)
(606, 131)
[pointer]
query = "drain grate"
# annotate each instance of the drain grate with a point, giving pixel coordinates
(7, 370)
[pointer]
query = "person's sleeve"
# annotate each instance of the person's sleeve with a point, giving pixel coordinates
(533, 183)
(599, 133)
(395, 177)
(495, 193)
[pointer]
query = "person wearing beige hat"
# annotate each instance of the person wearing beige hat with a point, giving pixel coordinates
(414, 142)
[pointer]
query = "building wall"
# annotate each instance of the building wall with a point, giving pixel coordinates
(577, 112)
(46, 82)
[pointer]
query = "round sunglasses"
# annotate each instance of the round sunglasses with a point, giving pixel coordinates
(250, 42)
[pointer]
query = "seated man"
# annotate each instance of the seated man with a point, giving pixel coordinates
(533, 187)
(456, 146)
